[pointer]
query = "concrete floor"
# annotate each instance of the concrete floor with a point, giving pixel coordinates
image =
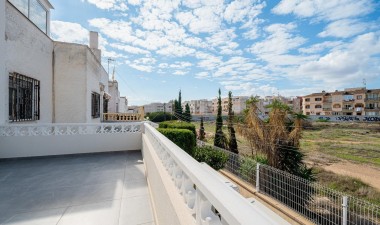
(92, 189)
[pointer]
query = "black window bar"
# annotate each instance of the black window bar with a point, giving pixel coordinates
(24, 98)
(95, 105)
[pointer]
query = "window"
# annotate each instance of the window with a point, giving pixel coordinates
(318, 99)
(318, 106)
(34, 10)
(95, 105)
(336, 106)
(24, 98)
(105, 104)
(358, 97)
(348, 97)
(307, 99)
(349, 107)
(307, 106)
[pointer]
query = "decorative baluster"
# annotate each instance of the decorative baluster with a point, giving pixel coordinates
(204, 211)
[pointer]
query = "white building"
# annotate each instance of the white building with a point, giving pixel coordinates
(238, 105)
(123, 104)
(46, 81)
(114, 102)
(199, 107)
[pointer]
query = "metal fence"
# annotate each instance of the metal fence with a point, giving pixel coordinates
(314, 201)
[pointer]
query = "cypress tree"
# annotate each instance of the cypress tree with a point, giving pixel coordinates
(219, 140)
(232, 143)
(202, 131)
(187, 114)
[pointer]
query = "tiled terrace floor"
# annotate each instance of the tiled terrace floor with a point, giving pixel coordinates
(93, 189)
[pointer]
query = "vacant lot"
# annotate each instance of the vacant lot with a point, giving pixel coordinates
(350, 150)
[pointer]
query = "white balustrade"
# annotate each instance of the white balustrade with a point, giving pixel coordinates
(68, 129)
(208, 199)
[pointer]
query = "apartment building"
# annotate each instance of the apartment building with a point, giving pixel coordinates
(238, 105)
(199, 107)
(351, 101)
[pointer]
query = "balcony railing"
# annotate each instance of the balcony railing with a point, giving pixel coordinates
(372, 99)
(124, 117)
(203, 198)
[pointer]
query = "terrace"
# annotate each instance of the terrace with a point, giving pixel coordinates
(133, 175)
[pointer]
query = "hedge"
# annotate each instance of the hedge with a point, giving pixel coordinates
(185, 139)
(178, 125)
(214, 158)
(160, 116)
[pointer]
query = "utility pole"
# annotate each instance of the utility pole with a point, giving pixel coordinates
(109, 60)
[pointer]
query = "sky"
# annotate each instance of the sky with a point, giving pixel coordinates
(249, 47)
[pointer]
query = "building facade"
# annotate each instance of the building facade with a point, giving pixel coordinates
(238, 105)
(351, 101)
(199, 107)
(47, 81)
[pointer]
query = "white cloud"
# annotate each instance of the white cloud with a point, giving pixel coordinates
(325, 9)
(180, 72)
(176, 50)
(116, 29)
(142, 64)
(202, 75)
(239, 10)
(344, 28)
(69, 32)
(109, 4)
(130, 49)
(279, 41)
(320, 47)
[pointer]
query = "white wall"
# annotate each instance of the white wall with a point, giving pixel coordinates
(114, 102)
(28, 51)
(3, 74)
(123, 105)
(26, 146)
(70, 83)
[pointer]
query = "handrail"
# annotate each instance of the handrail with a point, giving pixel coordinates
(210, 191)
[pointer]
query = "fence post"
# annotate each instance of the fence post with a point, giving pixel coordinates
(345, 210)
(258, 177)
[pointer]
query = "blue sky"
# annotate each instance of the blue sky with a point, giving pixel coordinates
(249, 47)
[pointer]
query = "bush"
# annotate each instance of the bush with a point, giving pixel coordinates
(178, 125)
(214, 158)
(247, 167)
(160, 116)
(185, 139)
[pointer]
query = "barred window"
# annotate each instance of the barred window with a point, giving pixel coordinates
(24, 98)
(95, 105)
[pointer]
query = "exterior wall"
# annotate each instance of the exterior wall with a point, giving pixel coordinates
(83, 139)
(28, 51)
(155, 107)
(114, 102)
(70, 83)
(123, 106)
(3, 73)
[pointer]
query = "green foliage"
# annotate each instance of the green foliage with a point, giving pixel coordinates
(178, 125)
(219, 140)
(187, 114)
(184, 138)
(214, 158)
(160, 116)
(202, 134)
(248, 164)
(232, 143)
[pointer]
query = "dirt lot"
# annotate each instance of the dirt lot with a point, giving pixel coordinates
(347, 149)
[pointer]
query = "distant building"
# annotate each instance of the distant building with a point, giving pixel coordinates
(199, 107)
(238, 105)
(123, 105)
(351, 101)
(114, 102)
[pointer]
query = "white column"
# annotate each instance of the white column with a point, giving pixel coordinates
(3, 72)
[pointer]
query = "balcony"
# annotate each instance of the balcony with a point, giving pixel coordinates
(373, 99)
(134, 175)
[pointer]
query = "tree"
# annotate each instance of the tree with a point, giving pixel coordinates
(219, 140)
(232, 143)
(202, 131)
(180, 110)
(187, 114)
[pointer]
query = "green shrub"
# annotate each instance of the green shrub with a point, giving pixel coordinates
(160, 116)
(214, 158)
(178, 125)
(247, 167)
(185, 139)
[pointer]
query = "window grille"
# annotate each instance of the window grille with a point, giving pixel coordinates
(95, 105)
(24, 98)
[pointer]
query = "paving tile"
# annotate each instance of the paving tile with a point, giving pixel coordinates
(46, 217)
(135, 188)
(136, 210)
(102, 213)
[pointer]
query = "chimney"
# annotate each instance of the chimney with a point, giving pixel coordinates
(94, 39)
(94, 45)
